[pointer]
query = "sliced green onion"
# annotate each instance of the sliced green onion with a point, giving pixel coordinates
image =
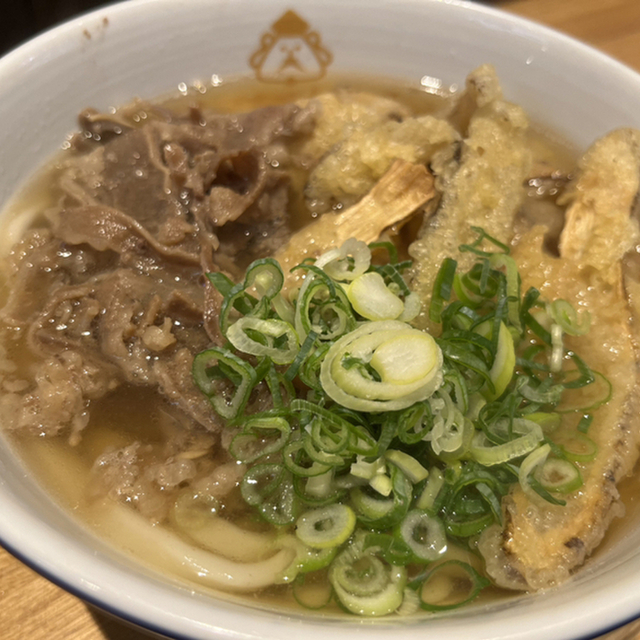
(559, 476)
(329, 437)
(531, 319)
(207, 368)
(318, 496)
(312, 559)
(351, 260)
(586, 401)
(389, 247)
(442, 288)
(411, 468)
(427, 499)
(266, 276)
(237, 298)
(577, 447)
(451, 437)
(281, 506)
(257, 438)
(281, 389)
(549, 422)
(393, 430)
(504, 361)
(320, 486)
(449, 585)
(298, 462)
(541, 394)
(414, 423)
(412, 308)
(304, 351)
(503, 261)
(407, 361)
(362, 442)
(372, 299)
(482, 236)
(572, 322)
(492, 500)
(557, 349)
(318, 455)
(390, 548)
(534, 460)
(221, 282)
(334, 419)
(365, 585)
(284, 308)
(382, 513)
(310, 369)
(312, 591)
(586, 375)
(392, 274)
(326, 527)
(260, 482)
(322, 306)
(489, 455)
(367, 470)
(312, 288)
(371, 508)
(464, 358)
(467, 526)
(271, 331)
(410, 603)
(382, 484)
(585, 423)
(476, 403)
(465, 293)
(423, 534)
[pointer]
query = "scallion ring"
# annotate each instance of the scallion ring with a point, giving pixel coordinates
(449, 585)
(530, 435)
(243, 336)
(372, 299)
(374, 589)
(326, 527)
(407, 361)
(572, 322)
(559, 476)
(215, 364)
(423, 534)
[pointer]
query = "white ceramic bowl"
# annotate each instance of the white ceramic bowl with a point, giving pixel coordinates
(147, 47)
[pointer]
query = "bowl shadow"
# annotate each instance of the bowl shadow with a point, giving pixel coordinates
(117, 629)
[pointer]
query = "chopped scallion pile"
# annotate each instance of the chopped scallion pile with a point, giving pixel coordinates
(383, 444)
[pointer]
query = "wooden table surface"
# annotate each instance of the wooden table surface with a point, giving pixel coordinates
(31, 608)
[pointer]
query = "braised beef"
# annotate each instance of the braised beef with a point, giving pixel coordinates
(114, 292)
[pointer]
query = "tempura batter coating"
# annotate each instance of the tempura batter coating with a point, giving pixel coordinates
(542, 544)
(340, 114)
(598, 228)
(486, 189)
(354, 166)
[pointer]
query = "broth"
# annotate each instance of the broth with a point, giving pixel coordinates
(132, 426)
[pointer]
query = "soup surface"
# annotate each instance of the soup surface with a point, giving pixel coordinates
(439, 402)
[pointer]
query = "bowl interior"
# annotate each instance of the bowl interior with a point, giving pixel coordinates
(101, 60)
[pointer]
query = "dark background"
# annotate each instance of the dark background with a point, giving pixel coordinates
(23, 19)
